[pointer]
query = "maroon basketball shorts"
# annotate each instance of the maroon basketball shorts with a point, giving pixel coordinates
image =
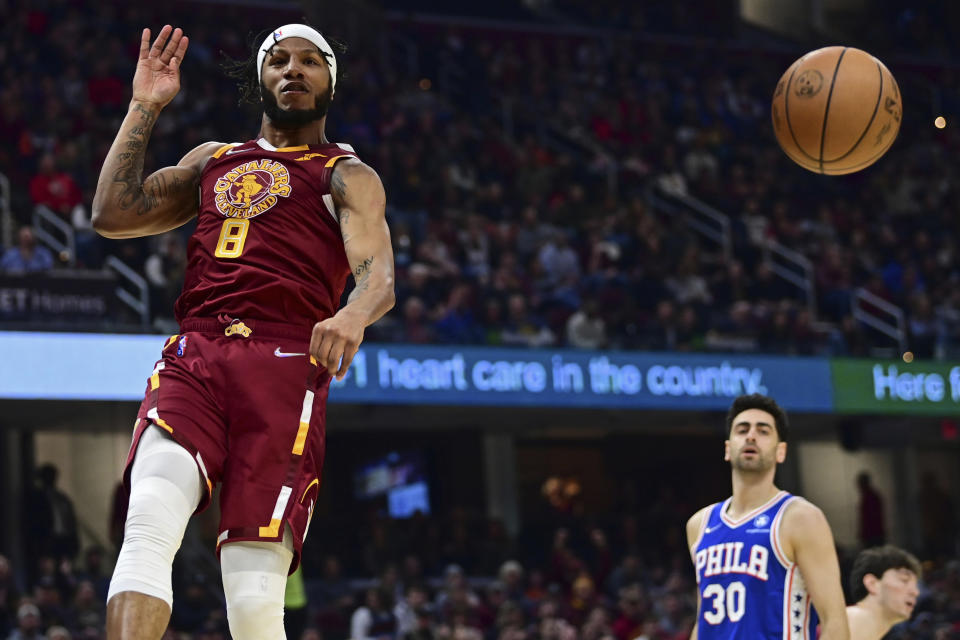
(249, 406)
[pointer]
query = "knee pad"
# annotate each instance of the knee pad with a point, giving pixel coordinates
(165, 490)
(254, 584)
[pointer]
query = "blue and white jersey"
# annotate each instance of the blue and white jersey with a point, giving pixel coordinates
(748, 588)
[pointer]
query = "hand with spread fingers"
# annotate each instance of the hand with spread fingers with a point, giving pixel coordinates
(157, 79)
(335, 342)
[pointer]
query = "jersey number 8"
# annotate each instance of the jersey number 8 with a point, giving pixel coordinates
(729, 603)
(232, 236)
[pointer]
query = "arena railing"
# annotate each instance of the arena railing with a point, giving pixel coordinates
(710, 223)
(794, 267)
(6, 214)
(54, 232)
(139, 299)
(885, 317)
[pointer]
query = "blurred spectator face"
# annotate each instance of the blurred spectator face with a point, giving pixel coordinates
(517, 307)
(898, 591)
(495, 594)
(665, 312)
(331, 568)
(85, 594)
(416, 597)
(547, 610)
(25, 239)
(94, 560)
(311, 634)
(373, 599)
(412, 566)
(492, 312)
(583, 588)
(417, 275)
(511, 574)
(47, 164)
(28, 618)
(413, 309)
(46, 594)
(630, 602)
(459, 297)
(58, 633)
(4, 569)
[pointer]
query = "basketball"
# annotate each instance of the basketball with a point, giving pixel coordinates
(836, 110)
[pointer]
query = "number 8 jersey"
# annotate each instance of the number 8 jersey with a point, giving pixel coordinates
(748, 588)
(267, 244)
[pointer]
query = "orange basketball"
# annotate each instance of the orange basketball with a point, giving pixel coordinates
(836, 110)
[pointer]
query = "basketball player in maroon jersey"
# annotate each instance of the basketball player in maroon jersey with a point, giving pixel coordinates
(239, 396)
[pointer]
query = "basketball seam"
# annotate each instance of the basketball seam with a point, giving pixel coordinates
(826, 110)
(873, 117)
(866, 163)
(786, 116)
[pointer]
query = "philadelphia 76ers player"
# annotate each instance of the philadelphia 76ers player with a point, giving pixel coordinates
(765, 560)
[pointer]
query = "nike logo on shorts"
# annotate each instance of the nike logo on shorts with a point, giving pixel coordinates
(286, 354)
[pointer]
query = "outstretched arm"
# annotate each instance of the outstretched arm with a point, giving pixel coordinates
(360, 201)
(807, 535)
(125, 205)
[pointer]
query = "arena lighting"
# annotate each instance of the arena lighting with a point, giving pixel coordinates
(940, 122)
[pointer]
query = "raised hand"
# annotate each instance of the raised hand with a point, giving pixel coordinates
(157, 79)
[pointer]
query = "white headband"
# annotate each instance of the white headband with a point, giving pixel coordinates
(298, 31)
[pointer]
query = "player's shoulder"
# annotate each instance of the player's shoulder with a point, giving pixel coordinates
(353, 174)
(801, 515)
(200, 154)
(696, 522)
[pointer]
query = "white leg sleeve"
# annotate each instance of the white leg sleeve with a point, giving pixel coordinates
(165, 489)
(254, 583)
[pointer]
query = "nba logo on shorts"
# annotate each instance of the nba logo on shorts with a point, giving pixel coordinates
(761, 521)
(182, 345)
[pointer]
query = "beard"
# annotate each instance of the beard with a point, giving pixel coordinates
(759, 463)
(295, 118)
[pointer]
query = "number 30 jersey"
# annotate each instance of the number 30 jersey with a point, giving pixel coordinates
(267, 244)
(748, 588)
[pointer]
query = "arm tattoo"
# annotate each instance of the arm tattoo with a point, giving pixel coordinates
(344, 221)
(362, 270)
(130, 172)
(338, 186)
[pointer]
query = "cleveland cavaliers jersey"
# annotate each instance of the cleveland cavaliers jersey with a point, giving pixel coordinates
(267, 244)
(748, 587)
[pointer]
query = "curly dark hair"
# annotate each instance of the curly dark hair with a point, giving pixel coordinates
(764, 403)
(248, 76)
(876, 562)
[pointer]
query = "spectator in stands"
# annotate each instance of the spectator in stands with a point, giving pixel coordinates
(586, 328)
(872, 527)
(522, 328)
(88, 610)
(406, 610)
(414, 327)
(164, 270)
(334, 599)
(373, 620)
(456, 323)
(55, 189)
(632, 611)
(27, 256)
(62, 539)
(58, 633)
(28, 623)
(938, 518)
